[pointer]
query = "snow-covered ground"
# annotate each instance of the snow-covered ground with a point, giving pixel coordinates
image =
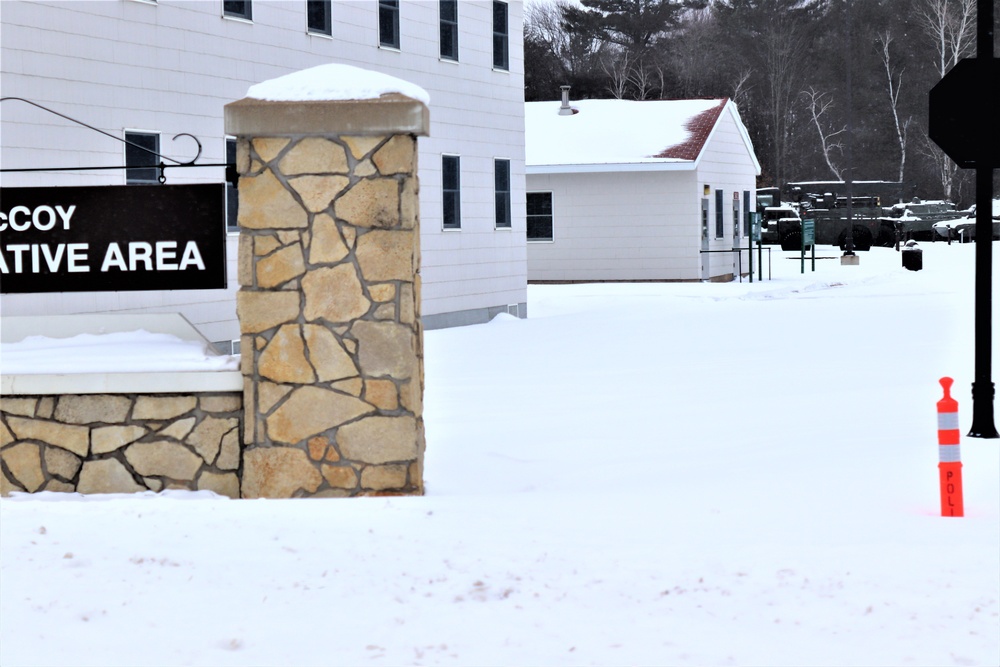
(654, 474)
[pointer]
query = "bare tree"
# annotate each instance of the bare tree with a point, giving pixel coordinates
(741, 87)
(818, 103)
(894, 82)
(695, 55)
(554, 56)
(943, 167)
(542, 19)
(782, 49)
(617, 67)
(641, 79)
(951, 25)
(661, 75)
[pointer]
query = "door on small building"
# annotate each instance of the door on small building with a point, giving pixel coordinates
(705, 267)
(736, 235)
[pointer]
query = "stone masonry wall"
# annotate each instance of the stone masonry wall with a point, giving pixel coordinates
(121, 443)
(329, 313)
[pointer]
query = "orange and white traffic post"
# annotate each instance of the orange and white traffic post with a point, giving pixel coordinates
(949, 456)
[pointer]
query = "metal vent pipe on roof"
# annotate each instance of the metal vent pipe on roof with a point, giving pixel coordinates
(565, 109)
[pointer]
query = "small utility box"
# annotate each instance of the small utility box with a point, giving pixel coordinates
(913, 257)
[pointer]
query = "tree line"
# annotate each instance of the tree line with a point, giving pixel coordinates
(806, 75)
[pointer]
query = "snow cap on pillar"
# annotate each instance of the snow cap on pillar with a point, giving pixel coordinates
(330, 99)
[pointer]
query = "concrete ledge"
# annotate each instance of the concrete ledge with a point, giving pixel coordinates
(391, 113)
(112, 382)
(121, 383)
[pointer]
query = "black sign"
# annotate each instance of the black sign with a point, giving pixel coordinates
(962, 110)
(112, 238)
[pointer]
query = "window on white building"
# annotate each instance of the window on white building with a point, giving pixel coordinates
(448, 11)
(238, 9)
(539, 216)
(232, 197)
(388, 23)
(142, 155)
(501, 39)
(319, 16)
(746, 213)
(720, 225)
(451, 201)
(501, 178)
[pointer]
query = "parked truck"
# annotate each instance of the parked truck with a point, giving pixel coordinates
(916, 218)
(825, 202)
(776, 222)
(782, 224)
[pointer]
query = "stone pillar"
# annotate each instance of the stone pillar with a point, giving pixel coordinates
(329, 303)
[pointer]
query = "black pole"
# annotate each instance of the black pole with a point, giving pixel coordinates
(983, 391)
(983, 425)
(849, 178)
(760, 260)
(748, 226)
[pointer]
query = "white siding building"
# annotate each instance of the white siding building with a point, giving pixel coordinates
(156, 69)
(624, 191)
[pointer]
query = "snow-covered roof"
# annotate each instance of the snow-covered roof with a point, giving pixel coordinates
(622, 135)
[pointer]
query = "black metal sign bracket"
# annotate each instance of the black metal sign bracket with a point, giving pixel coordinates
(161, 166)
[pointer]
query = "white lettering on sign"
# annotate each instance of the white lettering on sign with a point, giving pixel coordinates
(166, 250)
(34, 258)
(140, 251)
(50, 261)
(28, 258)
(43, 218)
(145, 256)
(75, 254)
(18, 251)
(73, 257)
(192, 256)
(113, 258)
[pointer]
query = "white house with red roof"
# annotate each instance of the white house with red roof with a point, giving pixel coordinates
(622, 190)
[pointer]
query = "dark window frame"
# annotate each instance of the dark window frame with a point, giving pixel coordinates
(737, 227)
(451, 192)
(746, 213)
(319, 17)
(448, 22)
(238, 9)
(141, 165)
(501, 36)
(232, 192)
(388, 24)
(720, 223)
(501, 193)
(539, 215)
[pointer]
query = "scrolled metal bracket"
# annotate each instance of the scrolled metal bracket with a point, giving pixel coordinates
(198, 143)
(161, 166)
